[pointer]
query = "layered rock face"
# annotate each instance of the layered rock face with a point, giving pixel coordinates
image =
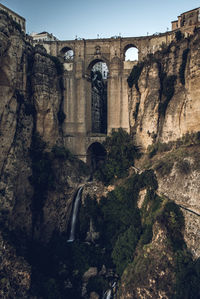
(184, 188)
(152, 274)
(46, 96)
(16, 128)
(164, 105)
(30, 100)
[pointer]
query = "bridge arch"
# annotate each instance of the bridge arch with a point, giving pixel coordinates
(94, 61)
(67, 54)
(130, 52)
(96, 154)
(98, 74)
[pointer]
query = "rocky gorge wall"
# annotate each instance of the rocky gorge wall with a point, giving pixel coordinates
(164, 106)
(164, 98)
(32, 156)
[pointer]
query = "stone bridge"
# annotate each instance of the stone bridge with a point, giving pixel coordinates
(77, 82)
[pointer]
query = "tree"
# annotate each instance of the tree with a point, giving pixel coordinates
(120, 156)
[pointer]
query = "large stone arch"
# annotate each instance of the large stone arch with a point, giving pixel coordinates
(96, 155)
(97, 97)
(95, 60)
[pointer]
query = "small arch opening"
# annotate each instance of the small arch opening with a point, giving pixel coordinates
(98, 76)
(131, 53)
(67, 54)
(96, 155)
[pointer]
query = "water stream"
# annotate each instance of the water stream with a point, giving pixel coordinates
(107, 294)
(74, 215)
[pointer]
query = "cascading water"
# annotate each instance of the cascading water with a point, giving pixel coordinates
(107, 294)
(74, 215)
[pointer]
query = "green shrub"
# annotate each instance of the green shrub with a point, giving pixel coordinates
(147, 234)
(119, 212)
(187, 139)
(151, 208)
(173, 219)
(164, 167)
(183, 166)
(60, 152)
(124, 248)
(187, 276)
(97, 284)
(120, 156)
(89, 211)
(158, 147)
(148, 179)
(84, 255)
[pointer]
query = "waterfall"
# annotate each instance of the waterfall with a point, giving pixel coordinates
(107, 294)
(74, 215)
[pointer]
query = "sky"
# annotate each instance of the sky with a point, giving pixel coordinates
(90, 19)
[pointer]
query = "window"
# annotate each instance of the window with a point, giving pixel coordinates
(131, 54)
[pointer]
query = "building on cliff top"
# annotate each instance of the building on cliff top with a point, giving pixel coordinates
(17, 18)
(187, 19)
(43, 36)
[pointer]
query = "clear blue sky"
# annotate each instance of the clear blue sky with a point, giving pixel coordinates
(67, 19)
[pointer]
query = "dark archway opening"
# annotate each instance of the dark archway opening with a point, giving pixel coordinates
(96, 155)
(99, 75)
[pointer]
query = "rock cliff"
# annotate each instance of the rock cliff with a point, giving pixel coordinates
(164, 100)
(38, 176)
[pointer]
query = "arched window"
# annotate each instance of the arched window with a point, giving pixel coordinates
(67, 54)
(131, 53)
(99, 75)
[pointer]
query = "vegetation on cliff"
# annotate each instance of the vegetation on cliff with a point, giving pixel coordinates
(120, 156)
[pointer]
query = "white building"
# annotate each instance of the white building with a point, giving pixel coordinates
(43, 36)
